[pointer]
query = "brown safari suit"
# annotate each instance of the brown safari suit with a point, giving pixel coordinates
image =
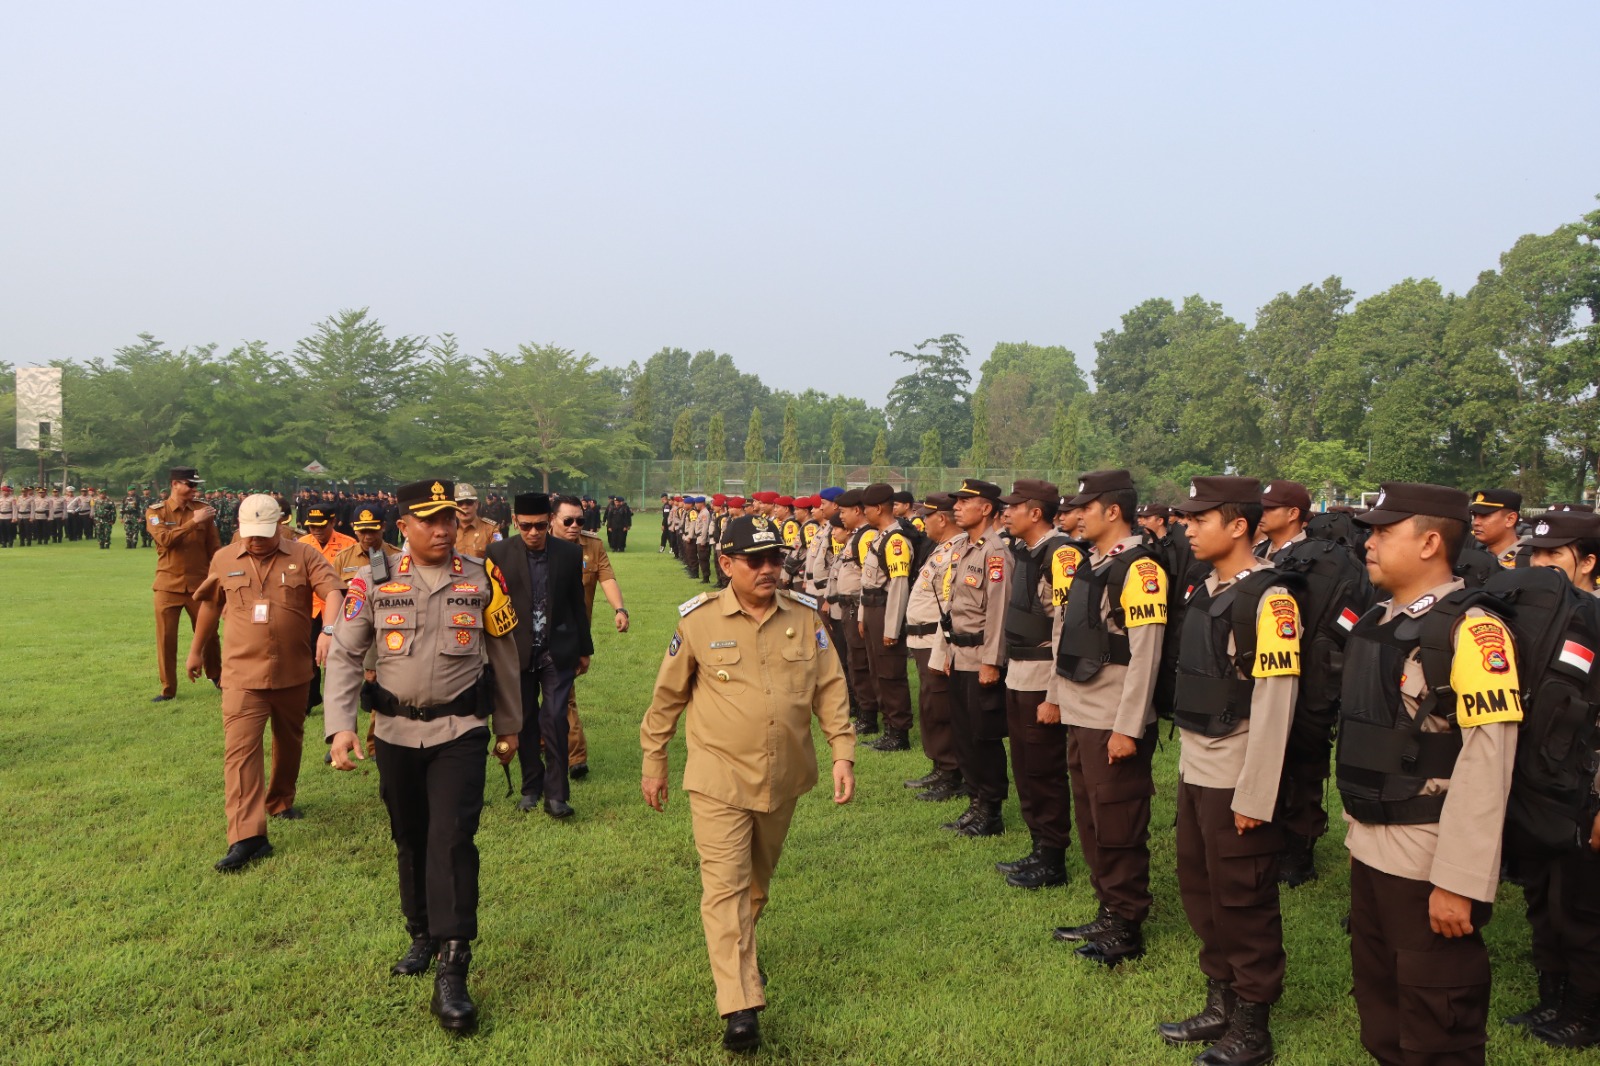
(596, 568)
(750, 688)
(265, 672)
(184, 549)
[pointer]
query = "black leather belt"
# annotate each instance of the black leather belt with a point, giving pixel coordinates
(463, 706)
(921, 629)
(874, 597)
(967, 640)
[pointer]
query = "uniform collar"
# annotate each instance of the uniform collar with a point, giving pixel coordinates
(1424, 603)
(241, 550)
(1215, 584)
(1125, 544)
(728, 603)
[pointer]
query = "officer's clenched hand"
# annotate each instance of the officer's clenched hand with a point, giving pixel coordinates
(1449, 915)
(1049, 713)
(344, 743)
(583, 665)
(1243, 823)
(194, 665)
(655, 791)
(1119, 747)
(988, 675)
(505, 748)
(844, 781)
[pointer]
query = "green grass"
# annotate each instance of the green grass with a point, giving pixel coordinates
(887, 941)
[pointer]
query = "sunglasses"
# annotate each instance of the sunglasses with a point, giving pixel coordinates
(763, 560)
(570, 521)
(527, 526)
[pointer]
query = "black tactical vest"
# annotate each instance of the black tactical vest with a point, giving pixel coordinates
(1212, 698)
(1384, 758)
(1086, 644)
(1028, 623)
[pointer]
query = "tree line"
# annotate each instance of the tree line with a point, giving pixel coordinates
(1500, 385)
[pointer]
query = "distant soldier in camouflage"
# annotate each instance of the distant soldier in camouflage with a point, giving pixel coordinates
(147, 499)
(132, 516)
(105, 516)
(227, 505)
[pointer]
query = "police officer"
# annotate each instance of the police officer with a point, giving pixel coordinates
(370, 550)
(885, 588)
(447, 670)
(975, 630)
(1425, 779)
(1235, 705)
(8, 516)
(750, 666)
(1285, 510)
(1495, 514)
(924, 639)
(846, 584)
(1108, 642)
(1042, 566)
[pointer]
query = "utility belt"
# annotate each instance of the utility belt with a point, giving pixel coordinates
(476, 701)
(1030, 653)
(966, 640)
(874, 597)
(921, 629)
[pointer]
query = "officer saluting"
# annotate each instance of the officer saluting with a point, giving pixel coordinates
(446, 662)
(750, 666)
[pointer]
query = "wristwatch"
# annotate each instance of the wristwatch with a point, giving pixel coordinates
(327, 631)
(620, 610)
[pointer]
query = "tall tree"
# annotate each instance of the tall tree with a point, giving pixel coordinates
(789, 449)
(836, 440)
(755, 445)
(1021, 388)
(880, 455)
(932, 450)
(933, 395)
(1286, 351)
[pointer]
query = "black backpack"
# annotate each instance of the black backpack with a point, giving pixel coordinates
(1337, 526)
(1475, 565)
(1334, 591)
(1557, 633)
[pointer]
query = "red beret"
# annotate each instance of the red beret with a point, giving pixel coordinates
(784, 501)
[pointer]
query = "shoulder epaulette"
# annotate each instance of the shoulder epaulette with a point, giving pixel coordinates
(589, 534)
(801, 597)
(689, 605)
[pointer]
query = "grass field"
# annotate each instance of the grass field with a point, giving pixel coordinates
(887, 941)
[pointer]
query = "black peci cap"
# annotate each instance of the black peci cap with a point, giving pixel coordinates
(1400, 500)
(531, 503)
(1209, 493)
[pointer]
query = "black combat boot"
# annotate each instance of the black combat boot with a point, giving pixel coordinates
(743, 1032)
(1120, 941)
(1296, 863)
(451, 1002)
(967, 817)
(1576, 1023)
(892, 740)
(1248, 1041)
(418, 956)
(986, 823)
(865, 727)
(1551, 988)
(1050, 870)
(952, 786)
(1072, 934)
(1209, 1024)
(1023, 863)
(927, 780)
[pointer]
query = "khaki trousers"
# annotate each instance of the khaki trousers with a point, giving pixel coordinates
(247, 794)
(169, 605)
(577, 743)
(739, 849)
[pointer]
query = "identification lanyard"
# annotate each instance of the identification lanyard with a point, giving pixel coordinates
(261, 610)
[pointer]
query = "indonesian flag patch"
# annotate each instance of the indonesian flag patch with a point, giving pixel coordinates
(1348, 619)
(1577, 656)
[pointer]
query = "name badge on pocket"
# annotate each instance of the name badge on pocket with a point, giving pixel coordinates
(259, 615)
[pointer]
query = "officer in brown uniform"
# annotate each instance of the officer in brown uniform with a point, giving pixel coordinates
(1285, 511)
(372, 551)
(1425, 775)
(475, 533)
(1042, 566)
(750, 666)
(8, 516)
(975, 630)
(845, 581)
(1495, 514)
(885, 588)
(447, 667)
(186, 539)
(1108, 643)
(262, 586)
(597, 573)
(929, 592)
(1234, 708)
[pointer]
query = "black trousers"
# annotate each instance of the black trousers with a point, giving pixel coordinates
(8, 533)
(314, 692)
(933, 712)
(978, 722)
(1564, 912)
(858, 666)
(434, 797)
(546, 691)
(1039, 765)
(888, 668)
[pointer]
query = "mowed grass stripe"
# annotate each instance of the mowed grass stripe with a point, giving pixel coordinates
(887, 941)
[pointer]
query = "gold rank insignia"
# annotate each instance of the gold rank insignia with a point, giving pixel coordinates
(438, 491)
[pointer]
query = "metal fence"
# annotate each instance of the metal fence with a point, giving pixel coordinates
(652, 477)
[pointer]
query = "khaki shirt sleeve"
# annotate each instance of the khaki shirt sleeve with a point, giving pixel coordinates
(602, 566)
(352, 638)
(831, 704)
(1139, 683)
(993, 652)
(674, 681)
(1058, 687)
(1271, 715)
(166, 536)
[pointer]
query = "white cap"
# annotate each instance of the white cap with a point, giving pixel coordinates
(465, 492)
(258, 516)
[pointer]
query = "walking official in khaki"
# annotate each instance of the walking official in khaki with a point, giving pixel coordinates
(186, 538)
(1108, 643)
(750, 667)
(1424, 819)
(265, 588)
(447, 669)
(1238, 677)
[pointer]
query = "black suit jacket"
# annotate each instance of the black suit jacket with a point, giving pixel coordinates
(569, 619)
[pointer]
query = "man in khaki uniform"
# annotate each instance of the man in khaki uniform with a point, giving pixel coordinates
(1424, 835)
(885, 587)
(186, 539)
(8, 517)
(597, 573)
(475, 534)
(929, 592)
(1234, 707)
(263, 586)
(750, 666)
(846, 585)
(448, 668)
(976, 634)
(1103, 685)
(370, 550)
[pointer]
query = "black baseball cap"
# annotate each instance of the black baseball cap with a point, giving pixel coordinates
(1488, 501)
(1557, 528)
(1031, 489)
(750, 535)
(317, 517)
(971, 486)
(1209, 493)
(1400, 500)
(1096, 483)
(939, 501)
(426, 498)
(1288, 494)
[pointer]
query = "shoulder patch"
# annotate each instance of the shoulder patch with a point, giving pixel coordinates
(689, 605)
(1277, 637)
(1483, 673)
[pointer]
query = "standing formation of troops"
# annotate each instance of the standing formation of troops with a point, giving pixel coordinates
(1450, 658)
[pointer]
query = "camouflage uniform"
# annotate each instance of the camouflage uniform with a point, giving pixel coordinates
(132, 517)
(105, 516)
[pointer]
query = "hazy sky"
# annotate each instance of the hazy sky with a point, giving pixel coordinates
(805, 187)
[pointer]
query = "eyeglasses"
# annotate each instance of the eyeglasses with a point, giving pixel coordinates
(763, 560)
(527, 526)
(571, 521)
